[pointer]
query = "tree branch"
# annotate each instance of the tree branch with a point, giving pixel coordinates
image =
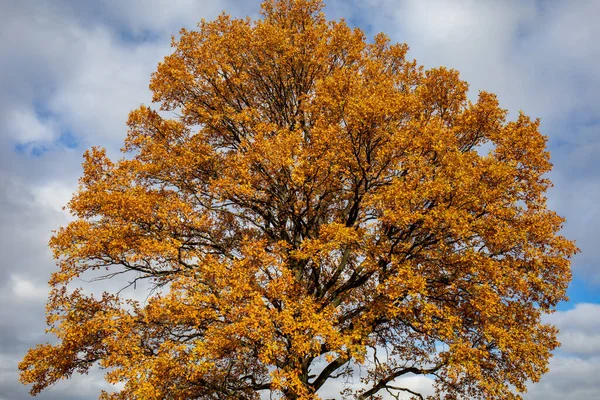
(329, 369)
(382, 384)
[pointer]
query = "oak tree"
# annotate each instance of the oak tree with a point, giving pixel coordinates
(315, 207)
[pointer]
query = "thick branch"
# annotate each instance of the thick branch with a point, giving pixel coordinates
(382, 384)
(329, 369)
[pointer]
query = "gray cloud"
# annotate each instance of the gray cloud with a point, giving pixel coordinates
(569, 378)
(579, 330)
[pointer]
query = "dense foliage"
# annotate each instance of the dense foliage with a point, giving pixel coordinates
(315, 203)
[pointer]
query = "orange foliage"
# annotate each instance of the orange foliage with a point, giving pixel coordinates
(317, 201)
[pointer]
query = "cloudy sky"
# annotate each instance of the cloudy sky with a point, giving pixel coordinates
(70, 71)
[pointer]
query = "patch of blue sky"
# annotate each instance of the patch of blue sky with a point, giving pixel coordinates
(42, 111)
(131, 37)
(31, 148)
(357, 17)
(571, 128)
(94, 13)
(544, 6)
(358, 21)
(580, 291)
(67, 140)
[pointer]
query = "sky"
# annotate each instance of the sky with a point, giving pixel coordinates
(70, 72)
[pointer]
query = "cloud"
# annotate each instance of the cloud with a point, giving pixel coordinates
(165, 17)
(579, 330)
(112, 80)
(79, 387)
(24, 289)
(88, 64)
(25, 126)
(573, 370)
(569, 378)
(535, 58)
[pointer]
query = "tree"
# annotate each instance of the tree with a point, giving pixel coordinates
(316, 203)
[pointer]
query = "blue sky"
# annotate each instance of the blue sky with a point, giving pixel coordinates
(71, 71)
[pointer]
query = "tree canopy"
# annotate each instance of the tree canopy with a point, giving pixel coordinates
(315, 204)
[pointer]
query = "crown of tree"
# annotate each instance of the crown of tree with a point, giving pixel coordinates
(317, 203)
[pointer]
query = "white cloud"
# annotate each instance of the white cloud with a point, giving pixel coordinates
(580, 343)
(111, 79)
(78, 387)
(24, 126)
(579, 329)
(584, 317)
(90, 77)
(573, 371)
(569, 378)
(54, 196)
(165, 16)
(25, 289)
